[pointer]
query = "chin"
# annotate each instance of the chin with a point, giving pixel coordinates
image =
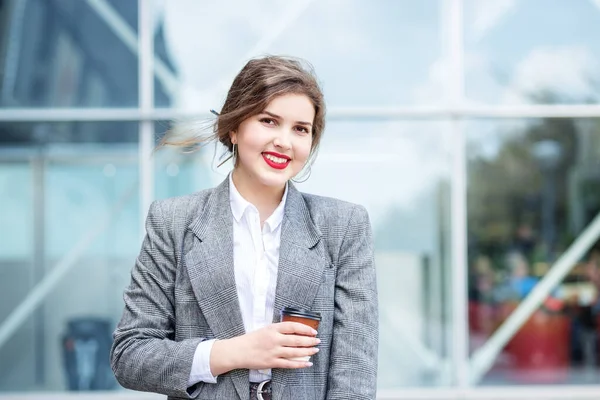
(271, 181)
(274, 179)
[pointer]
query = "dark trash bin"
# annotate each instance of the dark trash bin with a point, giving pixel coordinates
(86, 351)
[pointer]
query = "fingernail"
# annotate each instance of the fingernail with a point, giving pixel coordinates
(316, 349)
(318, 340)
(309, 364)
(314, 332)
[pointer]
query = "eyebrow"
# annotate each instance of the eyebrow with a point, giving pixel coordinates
(278, 117)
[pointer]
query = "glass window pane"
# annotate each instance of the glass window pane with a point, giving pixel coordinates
(532, 51)
(72, 195)
(399, 171)
(365, 53)
(178, 172)
(16, 263)
(68, 53)
(533, 187)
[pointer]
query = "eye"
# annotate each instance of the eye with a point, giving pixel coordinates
(268, 121)
(302, 129)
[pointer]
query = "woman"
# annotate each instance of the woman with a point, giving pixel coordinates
(202, 312)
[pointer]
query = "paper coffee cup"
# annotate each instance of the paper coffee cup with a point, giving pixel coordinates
(310, 318)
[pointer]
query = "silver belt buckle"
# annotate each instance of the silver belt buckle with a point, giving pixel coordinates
(259, 390)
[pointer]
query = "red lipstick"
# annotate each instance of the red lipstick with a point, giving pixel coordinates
(273, 164)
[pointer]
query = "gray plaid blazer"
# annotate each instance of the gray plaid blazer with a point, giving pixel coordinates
(183, 291)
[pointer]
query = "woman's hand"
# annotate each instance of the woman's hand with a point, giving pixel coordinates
(265, 348)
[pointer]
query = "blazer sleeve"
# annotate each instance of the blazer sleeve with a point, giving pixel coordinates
(354, 347)
(144, 355)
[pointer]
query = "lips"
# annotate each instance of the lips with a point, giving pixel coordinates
(276, 160)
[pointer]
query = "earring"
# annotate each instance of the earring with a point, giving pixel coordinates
(305, 179)
(232, 156)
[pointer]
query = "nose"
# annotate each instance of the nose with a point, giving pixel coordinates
(283, 139)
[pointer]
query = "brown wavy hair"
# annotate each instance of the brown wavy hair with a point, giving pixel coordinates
(255, 86)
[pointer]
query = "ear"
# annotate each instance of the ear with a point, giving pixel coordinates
(233, 137)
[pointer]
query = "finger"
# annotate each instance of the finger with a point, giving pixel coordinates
(295, 327)
(292, 340)
(290, 364)
(291, 353)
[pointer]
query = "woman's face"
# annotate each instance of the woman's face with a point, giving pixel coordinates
(273, 146)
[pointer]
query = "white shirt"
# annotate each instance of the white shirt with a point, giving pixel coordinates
(255, 258)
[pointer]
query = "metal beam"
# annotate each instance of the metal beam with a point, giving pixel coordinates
(453, 52)
(488, 393)
(146, 101)
(494, 393)
(129, 37)
(13, 48)
(334, 113)
(459, 268)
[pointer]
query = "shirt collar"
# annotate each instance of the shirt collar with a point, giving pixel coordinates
(239, 205)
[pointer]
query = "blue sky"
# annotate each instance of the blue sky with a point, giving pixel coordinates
(517, 47)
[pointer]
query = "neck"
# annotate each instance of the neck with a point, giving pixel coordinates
(264, 198)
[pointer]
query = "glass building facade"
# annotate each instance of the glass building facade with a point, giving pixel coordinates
(469, 129)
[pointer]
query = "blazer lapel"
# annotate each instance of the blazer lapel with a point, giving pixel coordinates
(302, 260)
(211, 270)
